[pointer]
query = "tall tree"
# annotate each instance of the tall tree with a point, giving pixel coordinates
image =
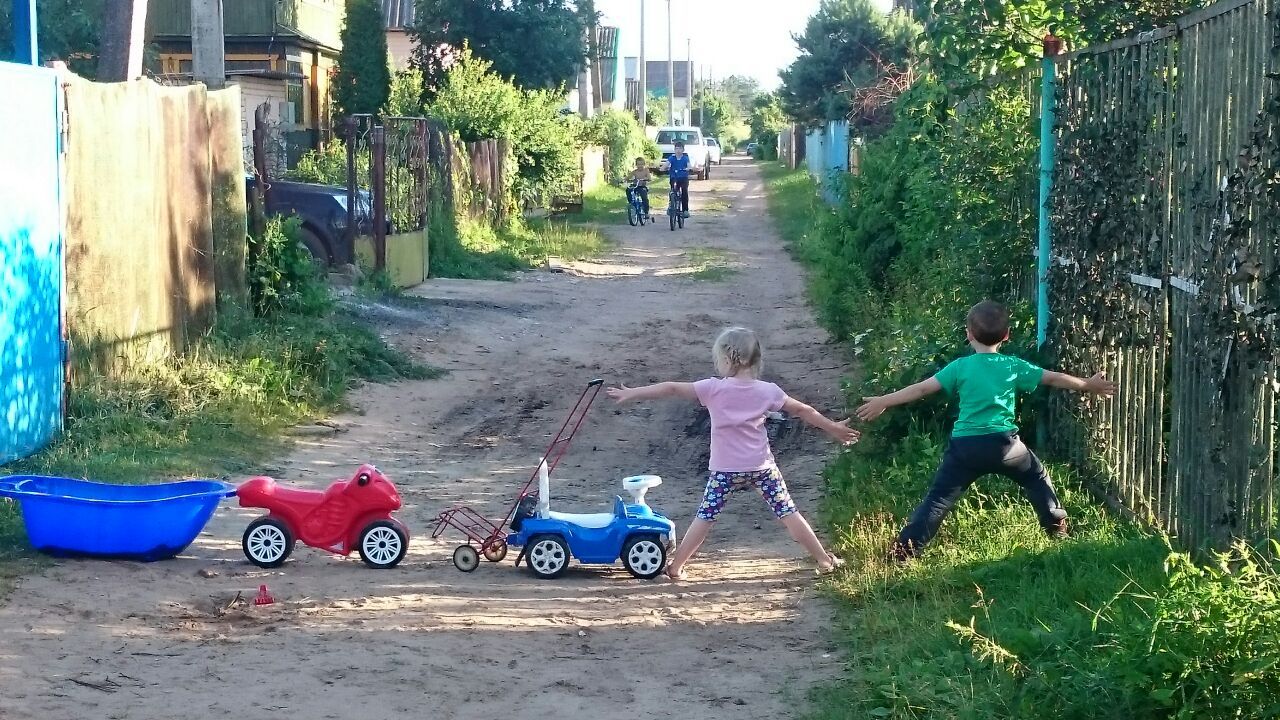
(69, 30)
(540, 44)
(363, 81)
(740, 90)
(847, 44)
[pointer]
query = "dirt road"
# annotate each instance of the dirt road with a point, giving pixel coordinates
(744, 638)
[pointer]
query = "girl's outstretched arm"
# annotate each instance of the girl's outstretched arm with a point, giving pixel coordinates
(839, 431)
(875, 406)
(622, 393)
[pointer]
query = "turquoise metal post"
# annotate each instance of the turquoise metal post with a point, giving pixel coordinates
(1048, 93)
(25, 47)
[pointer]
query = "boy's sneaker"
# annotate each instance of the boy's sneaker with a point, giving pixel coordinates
(1058, 530)
(900, 554)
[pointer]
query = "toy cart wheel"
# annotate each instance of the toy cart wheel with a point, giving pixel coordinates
(382, 544)
(267, 542)
(644, 556)
(547, 556)
(465, 558)
(496, 551)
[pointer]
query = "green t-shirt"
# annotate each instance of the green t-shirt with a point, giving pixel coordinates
(986, 386)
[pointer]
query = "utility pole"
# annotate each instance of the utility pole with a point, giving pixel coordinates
(671, 72)
(123, 38)
(26, 50)
(644, 82)
(688, 54)
(208, 44)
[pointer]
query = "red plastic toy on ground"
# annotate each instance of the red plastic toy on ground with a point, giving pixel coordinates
(350, 515)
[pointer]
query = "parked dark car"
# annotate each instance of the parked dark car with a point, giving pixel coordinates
(323, 211)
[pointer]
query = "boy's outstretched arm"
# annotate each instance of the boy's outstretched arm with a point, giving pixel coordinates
(840, 431)
(622, 393)
(1097, 385)
(874, 407)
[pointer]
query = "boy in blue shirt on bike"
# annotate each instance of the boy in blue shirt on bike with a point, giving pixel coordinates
(678, 172)
(985, 386)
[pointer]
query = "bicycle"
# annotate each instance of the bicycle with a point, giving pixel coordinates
(635, 206)
(673, 209)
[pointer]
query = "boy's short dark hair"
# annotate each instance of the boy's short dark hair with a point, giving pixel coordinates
(988, 322)
(640, 159)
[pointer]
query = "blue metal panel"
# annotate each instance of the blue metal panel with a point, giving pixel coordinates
(26, 47)
(31, 349)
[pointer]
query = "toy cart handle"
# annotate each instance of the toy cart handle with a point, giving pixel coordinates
(596, 383)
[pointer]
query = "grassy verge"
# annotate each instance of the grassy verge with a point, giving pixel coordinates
(475, 250)
(996, 620)
(216, 411)
(710, 264)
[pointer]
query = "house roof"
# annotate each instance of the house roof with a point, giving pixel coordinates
(398, 14)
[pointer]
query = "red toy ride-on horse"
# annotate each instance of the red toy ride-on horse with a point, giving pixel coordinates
(350, 515)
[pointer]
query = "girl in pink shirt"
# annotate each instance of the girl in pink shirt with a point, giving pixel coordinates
(738, 401)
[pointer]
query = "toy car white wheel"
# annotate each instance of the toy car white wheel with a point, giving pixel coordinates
(548, 556)
(382, 544)
(465, 558)
(267, 542)
(644, 556)
(496, 551)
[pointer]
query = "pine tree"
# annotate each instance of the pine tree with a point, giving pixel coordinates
(363, 81)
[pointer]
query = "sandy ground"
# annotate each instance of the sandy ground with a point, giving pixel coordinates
(743, 638)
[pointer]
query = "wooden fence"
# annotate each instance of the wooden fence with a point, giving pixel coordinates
(1165, 207)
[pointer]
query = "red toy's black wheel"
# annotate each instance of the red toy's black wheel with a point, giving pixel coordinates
(267, 542)
(496, 551)
(382, 544)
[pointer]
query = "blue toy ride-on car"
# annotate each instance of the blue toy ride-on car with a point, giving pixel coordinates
(633, 532)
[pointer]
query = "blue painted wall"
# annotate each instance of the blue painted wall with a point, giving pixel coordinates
(31, 355)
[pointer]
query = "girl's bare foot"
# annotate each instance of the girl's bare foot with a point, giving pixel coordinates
(675, 574)
(833, 563)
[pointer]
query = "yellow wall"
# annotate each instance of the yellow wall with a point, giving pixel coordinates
(406, 257)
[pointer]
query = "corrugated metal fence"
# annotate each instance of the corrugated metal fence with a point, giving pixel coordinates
(1165, 210)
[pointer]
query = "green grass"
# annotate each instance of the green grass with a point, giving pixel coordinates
(216, 411)
(475, 250)
(791, 201)
(710, 264)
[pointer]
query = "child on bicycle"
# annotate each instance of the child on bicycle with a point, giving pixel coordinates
(678, 173)
(638, 184)
(984, 440)
(738, 401)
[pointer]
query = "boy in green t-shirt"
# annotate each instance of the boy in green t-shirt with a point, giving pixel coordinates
(985, 439)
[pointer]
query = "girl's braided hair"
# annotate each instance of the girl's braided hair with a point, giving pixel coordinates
(735, 350)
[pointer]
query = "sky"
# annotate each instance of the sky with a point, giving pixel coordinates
(729, 37)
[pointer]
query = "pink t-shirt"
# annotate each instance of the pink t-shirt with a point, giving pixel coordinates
(739, 442)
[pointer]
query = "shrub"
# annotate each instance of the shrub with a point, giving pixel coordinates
(282, 275)
(620, 133)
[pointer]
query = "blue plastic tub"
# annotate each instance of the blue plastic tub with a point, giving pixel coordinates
(138, 522)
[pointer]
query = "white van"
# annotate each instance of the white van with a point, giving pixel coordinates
(695, 146)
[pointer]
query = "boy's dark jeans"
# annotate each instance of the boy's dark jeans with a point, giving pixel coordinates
(966, 460)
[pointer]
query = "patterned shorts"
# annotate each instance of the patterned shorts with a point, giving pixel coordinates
(768, 482)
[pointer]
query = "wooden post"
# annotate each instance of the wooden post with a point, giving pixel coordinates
(379, 141)
(353, 188)
(123, 40)
(208, 51)
(262, 182)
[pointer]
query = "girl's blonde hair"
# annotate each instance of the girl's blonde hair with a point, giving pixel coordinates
(737, 349)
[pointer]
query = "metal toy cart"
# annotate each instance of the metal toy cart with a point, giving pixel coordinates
(490, 537)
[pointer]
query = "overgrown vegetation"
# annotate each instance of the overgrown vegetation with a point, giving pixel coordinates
(220, 407)
(995, 621)
(620, 134)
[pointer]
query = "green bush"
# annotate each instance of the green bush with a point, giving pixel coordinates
(282, 275)
(478, 104)
(620, 133)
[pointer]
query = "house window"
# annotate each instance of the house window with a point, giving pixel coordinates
(294, 96)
